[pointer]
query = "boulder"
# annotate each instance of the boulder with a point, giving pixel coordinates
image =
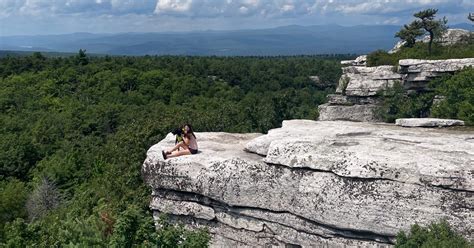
(358, 112)
(319, 184)
(315, 79)
(428, 122)
(359, 61)
(438, 99)
(320, 84)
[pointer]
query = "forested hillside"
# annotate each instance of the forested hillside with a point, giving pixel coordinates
(74, 132)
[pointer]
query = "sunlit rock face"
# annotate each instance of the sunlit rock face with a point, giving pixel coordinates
(428, 122)
(358, 93)
(316, 184)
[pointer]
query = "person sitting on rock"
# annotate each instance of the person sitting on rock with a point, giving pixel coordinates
(188, 145)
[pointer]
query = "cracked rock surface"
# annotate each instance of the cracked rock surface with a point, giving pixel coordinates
(317, 184)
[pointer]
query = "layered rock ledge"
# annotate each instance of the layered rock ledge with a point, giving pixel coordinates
(357, 95)
(428, 122)
(319, 184)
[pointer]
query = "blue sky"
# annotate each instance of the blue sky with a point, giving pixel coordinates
(111, 16)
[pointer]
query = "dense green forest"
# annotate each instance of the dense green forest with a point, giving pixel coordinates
(74, 132)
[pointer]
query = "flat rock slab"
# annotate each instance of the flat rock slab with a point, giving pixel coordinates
(444, 65)
(368, 150)
(428, 122)
(334, 183)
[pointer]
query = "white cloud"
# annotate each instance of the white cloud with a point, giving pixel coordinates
(287, 7)
(243, 10)
(216, 8)
(7, 7)
(86, 7)
(209, 14)
(381, 6)
(180, 6)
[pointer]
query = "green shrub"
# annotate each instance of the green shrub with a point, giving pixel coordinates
(397, 103)
(344, 81)
(381, 57)
(170, 236)
(465, 49)
(13, 195)
(17, 234)
(436, 235)
(458, 102)
(133, 226)
(459, 97)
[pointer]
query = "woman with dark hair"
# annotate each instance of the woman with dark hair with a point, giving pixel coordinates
(188, 145)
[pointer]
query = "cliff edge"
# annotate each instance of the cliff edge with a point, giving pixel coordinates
(317, 183)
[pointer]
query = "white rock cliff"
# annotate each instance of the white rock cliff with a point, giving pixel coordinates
(317, 184)
(356, 96)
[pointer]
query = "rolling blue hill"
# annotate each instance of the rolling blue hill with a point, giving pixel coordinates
(286, 40)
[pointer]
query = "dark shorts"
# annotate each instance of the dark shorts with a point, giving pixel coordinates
(193, 151)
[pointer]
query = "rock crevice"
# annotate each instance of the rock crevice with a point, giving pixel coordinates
(257, 217)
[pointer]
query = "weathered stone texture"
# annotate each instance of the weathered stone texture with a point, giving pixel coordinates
(428, 122)
(319, 184)
(357, 94)
(363, 112)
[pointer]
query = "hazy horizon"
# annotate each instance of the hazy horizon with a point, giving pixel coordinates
(41, 17)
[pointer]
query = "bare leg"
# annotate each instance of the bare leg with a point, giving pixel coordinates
(177, 146)
(179, 153)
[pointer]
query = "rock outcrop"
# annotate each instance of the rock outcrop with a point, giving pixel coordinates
(362, 81)
(318, 184)
(428, 122)
(319, 83)
(359, 61)
(417, 73)
(450, 37)
(356, 95)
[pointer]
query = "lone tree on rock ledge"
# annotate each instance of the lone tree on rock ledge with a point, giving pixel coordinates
(427, 23)
(432, 26)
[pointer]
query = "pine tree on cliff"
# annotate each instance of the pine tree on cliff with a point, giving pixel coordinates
(409, 33)
(426, 23)
(435, 28)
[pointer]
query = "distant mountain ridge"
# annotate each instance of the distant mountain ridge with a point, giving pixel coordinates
(285, 40)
